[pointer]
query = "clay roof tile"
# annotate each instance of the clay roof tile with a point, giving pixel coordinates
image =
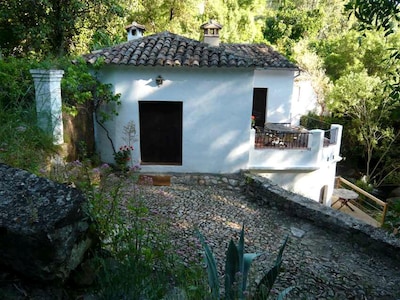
(168, 49)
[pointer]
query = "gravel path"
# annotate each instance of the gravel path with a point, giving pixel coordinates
(321, 264)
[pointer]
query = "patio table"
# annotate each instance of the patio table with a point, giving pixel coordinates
(344, 196)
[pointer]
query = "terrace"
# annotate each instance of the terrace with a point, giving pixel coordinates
(279, 146)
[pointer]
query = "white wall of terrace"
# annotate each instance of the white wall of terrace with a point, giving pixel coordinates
(307, 171)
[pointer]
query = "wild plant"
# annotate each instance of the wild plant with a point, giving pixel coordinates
(237, 267)
(22, 144)
(137, 257)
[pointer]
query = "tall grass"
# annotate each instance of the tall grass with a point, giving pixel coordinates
(22, 144)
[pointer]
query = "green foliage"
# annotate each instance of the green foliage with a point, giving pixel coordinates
(381, 16)
(374, 14)
(22, 144)
(123, 156)
(312, 65)
(351, 52)
(50, 26)
(16, 88)
(237, 267)
(241, 20)
(314, 121)
(392, 220)
(81, 90)
(360, 98)
(136, 258)
(289, 25)
(267, 282)
(212, 271)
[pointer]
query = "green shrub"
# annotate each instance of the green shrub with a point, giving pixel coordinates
(22, 144)
(237, 267)
(16, 88)
(141, 261)
(392, 220)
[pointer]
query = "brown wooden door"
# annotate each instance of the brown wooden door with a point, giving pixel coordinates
(160, 132)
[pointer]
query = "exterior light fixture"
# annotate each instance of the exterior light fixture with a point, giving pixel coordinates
(159, 80)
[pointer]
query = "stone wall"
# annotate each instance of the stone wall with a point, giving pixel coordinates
(266, 193)
(228, 181)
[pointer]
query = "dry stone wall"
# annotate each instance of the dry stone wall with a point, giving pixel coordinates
(266, 193)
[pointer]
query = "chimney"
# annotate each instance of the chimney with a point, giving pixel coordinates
(211, 32)
(135, 31)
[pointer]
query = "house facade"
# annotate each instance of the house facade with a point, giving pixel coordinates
(192, 102)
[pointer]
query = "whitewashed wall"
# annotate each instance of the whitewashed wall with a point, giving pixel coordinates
(304, 99)
(280, 93)
(289, 96)
(306, 183)
(302, 171)
(217, 106)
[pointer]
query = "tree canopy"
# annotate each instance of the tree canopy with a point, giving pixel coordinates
(338, 43)
(50, 27)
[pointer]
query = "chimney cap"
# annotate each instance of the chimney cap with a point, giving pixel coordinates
(211, 24)
(136, 25)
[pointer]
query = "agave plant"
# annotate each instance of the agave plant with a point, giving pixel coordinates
(237, 266)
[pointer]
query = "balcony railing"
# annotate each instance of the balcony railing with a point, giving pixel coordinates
(308, 150)
(281, 135)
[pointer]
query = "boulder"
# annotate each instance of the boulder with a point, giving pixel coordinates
(44, 230)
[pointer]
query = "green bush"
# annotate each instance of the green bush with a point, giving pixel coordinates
(22, 144)
(16, 88)
(140, 261)
(392, 220)
(237, 267)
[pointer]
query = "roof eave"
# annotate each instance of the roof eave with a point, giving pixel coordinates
(279, 68)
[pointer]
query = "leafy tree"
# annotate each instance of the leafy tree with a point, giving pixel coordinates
(312, 65)
(360, 98)
(50, 26)
(351, 52)
(172, 15)
(16, 90)
(289, 24)
(241, 19)
(384, 16)
(376, 14)
(381, 15)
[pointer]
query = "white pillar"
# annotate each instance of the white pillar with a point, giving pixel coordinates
(48, 102)
(337, 139)
(316, 144)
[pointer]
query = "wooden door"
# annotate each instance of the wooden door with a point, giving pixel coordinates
(160, 132)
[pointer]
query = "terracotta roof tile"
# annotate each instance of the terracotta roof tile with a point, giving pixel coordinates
(168, 49)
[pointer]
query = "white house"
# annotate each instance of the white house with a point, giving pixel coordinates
(192, 104)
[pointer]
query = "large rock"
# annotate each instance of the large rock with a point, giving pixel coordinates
(43, 226)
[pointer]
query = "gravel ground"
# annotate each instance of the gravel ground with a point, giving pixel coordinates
(320, 264)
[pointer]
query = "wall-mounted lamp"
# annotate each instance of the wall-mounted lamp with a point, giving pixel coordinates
(159, 80)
